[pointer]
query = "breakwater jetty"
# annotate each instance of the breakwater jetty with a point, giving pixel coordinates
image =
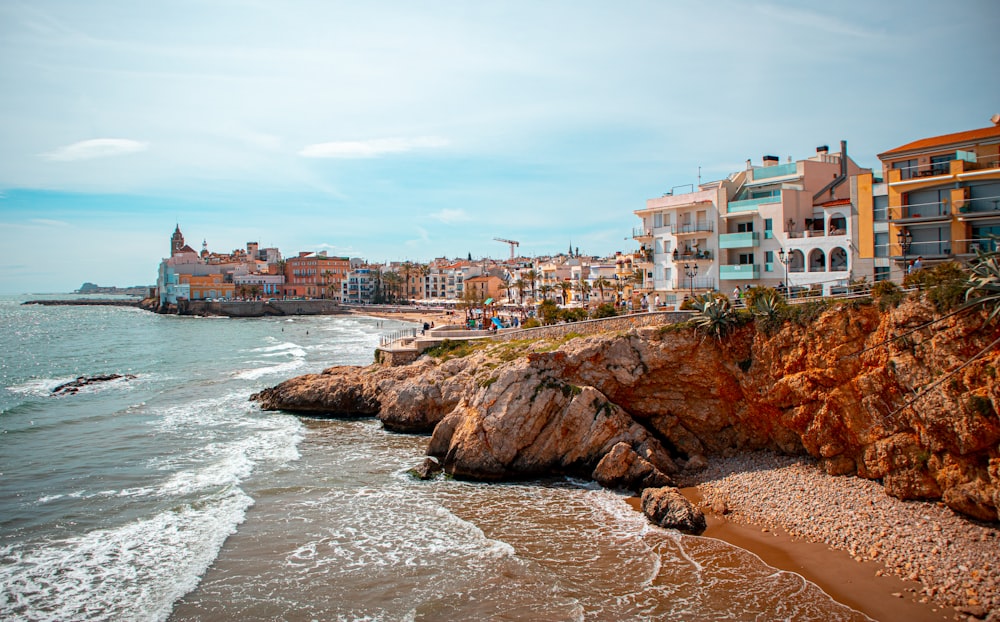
(85, 302)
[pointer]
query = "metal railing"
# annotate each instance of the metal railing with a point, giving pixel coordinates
(397, 335)
(696, 227)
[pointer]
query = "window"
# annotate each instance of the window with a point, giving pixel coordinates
(744, 227)
(881, 244)
(768, 229)
(907, 168)
(881, 273)
(880, 206)
(939, 163)
(746, 259)
(657, 220)
(768, 261)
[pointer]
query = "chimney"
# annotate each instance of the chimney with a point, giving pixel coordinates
(996, 120)
(770, 160)
(822, 150)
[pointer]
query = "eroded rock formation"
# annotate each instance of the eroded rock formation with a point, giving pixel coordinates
(630, 409)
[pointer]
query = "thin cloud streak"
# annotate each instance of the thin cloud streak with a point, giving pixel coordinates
(95, 148)
(354, 149)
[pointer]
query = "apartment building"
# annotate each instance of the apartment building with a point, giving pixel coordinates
(314, 275)
(776, 225)
(938, 199)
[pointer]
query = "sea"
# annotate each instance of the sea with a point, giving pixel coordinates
(170, 496)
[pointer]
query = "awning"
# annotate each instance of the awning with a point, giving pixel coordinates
(488, 301)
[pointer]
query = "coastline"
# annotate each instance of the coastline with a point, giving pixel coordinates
(887, 558)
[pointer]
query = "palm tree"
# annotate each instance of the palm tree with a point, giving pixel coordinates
(601, 284)
(584, 288)
(532, 277)
(520, 286)
(566, 288)
(544, 289)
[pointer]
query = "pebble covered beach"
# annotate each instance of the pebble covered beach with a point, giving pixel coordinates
(955, 561)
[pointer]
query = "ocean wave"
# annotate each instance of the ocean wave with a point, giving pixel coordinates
(135, 571)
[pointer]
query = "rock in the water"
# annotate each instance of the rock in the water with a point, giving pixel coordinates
(667, 507)
(623, 468)
(428, 469)
(71, 387)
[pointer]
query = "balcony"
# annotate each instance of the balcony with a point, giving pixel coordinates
(740, 272)
(750, 205)
(698, 227)
(781, 170)
(639, 233)
(933, 249)
(748, 239)
(920, 212)
(688, 255)
(982, 207)
(699, 282)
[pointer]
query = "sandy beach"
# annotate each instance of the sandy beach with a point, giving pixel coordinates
(888, 558)
(408, 314)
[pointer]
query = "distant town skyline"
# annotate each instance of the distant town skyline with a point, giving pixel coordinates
(412, 130)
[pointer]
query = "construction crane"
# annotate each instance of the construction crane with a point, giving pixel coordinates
(512, 243)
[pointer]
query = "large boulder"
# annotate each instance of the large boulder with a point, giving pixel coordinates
(622, 467)
(524, 423)
(667, 507)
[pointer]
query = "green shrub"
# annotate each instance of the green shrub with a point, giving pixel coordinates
(604, 310)
(548, 311)
(715, 316)
(573, 315)
(944, 285)
(887, 294)
(531, 322)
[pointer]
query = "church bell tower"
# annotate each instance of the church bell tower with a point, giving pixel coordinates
(176, 241)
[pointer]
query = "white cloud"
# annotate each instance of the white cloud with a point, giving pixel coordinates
(371, 148)
(450, 216)
(95, 148)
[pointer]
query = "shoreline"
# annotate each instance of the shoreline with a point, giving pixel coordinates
(889, 559)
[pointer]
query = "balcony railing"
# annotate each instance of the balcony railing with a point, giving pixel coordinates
(767, 172)
(927, 249)
(746, 239)
(979, 206)
(751, 205)
(934, 209)
(699, 282)
(640, 232)
(740, 272)
(987, 245)
(688, 255)
(697, 227)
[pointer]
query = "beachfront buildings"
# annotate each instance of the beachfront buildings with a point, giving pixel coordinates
(777, 225)
(315, 275)
(937, 198)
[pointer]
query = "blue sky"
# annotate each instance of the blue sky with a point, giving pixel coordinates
(415, 129)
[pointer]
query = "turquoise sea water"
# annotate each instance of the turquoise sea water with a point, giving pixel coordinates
(170, 496)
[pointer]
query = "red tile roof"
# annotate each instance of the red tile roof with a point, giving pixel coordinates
(945, 139)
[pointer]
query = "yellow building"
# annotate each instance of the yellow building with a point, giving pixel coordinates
(940, 200)
(207, 287)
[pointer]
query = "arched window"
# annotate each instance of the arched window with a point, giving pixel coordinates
(817, 261)
(796, 262)
(838, 260)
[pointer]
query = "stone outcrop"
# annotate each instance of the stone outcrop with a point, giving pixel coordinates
(667, 507)
(73, 386)
(629, 408)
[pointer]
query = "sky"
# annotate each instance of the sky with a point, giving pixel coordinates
(409, 130)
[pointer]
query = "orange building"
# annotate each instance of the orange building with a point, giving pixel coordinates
(940, 200)
(485, 287)
(207, 287)
(314, 275)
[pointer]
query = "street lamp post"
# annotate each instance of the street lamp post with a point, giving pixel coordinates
(690, 270)
(905, 241)
(785, 259)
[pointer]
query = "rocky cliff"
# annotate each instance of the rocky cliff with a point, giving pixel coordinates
(630, 409)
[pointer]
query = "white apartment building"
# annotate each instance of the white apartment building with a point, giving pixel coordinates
(774, 225)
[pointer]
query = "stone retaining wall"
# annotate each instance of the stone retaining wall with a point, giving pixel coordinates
(592, 327)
